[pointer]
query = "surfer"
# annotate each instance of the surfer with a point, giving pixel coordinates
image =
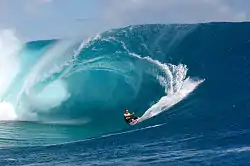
(129, 117)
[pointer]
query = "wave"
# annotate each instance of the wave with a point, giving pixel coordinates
(92, 81)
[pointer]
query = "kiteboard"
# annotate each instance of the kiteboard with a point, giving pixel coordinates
(134, 121)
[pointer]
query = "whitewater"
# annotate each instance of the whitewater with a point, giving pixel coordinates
(9, 68)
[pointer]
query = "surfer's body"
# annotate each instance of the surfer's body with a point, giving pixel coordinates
(130, 118)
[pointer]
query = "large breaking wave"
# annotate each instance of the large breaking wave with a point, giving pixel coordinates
(92, 81)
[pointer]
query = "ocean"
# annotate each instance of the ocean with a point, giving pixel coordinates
(62, 100)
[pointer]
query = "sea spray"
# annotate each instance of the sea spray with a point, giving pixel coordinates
(9, 69)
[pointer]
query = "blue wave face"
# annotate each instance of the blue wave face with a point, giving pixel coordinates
(147, 69)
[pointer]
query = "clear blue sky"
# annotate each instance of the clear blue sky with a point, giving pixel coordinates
(44, 19)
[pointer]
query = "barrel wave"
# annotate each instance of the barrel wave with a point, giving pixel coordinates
(92, 82)
(148, 69)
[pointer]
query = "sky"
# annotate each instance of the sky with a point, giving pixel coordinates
(46, 19)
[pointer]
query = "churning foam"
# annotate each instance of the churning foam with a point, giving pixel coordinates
(7, 112)
(9, 68)
(9, 61)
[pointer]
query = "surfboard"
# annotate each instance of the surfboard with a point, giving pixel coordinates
(134, 121)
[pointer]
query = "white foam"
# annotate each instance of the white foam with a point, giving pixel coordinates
(7, 112)
(9, 68)
(9, 60)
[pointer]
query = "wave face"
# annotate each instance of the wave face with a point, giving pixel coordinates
(145, 68)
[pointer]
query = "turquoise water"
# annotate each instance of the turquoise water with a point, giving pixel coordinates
(65, 98)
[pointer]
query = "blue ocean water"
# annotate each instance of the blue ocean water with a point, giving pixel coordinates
(62, 101)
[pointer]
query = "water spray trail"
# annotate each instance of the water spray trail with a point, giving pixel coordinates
(168, 101)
